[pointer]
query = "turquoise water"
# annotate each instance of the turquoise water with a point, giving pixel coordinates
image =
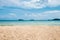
(12, 23)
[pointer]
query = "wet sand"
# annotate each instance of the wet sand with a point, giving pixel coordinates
(29, 32)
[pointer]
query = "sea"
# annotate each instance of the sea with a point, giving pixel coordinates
(18, 23)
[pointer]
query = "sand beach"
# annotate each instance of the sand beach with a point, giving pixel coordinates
(29, 32)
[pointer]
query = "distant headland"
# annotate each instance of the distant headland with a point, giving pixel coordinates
(26, 20)
(55, 19)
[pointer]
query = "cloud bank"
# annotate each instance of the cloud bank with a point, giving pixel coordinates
(28, 4)
(44, 15)
(38, 16)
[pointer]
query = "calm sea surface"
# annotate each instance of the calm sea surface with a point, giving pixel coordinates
(12, 23)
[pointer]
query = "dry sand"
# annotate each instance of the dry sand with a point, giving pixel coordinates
(29, 33)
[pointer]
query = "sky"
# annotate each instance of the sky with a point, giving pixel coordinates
(29, 9)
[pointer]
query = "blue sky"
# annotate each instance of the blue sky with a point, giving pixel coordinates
(29, 9)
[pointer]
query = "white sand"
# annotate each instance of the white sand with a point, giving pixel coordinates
(29, 33)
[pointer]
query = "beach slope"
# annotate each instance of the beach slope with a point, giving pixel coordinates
(29, 33)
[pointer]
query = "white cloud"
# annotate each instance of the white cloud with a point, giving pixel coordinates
(12, 14)
(53, 3)
(51, 14)
(34, 4)
(9, 2)
(8, 16)
(30, 4)
(44, 15)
